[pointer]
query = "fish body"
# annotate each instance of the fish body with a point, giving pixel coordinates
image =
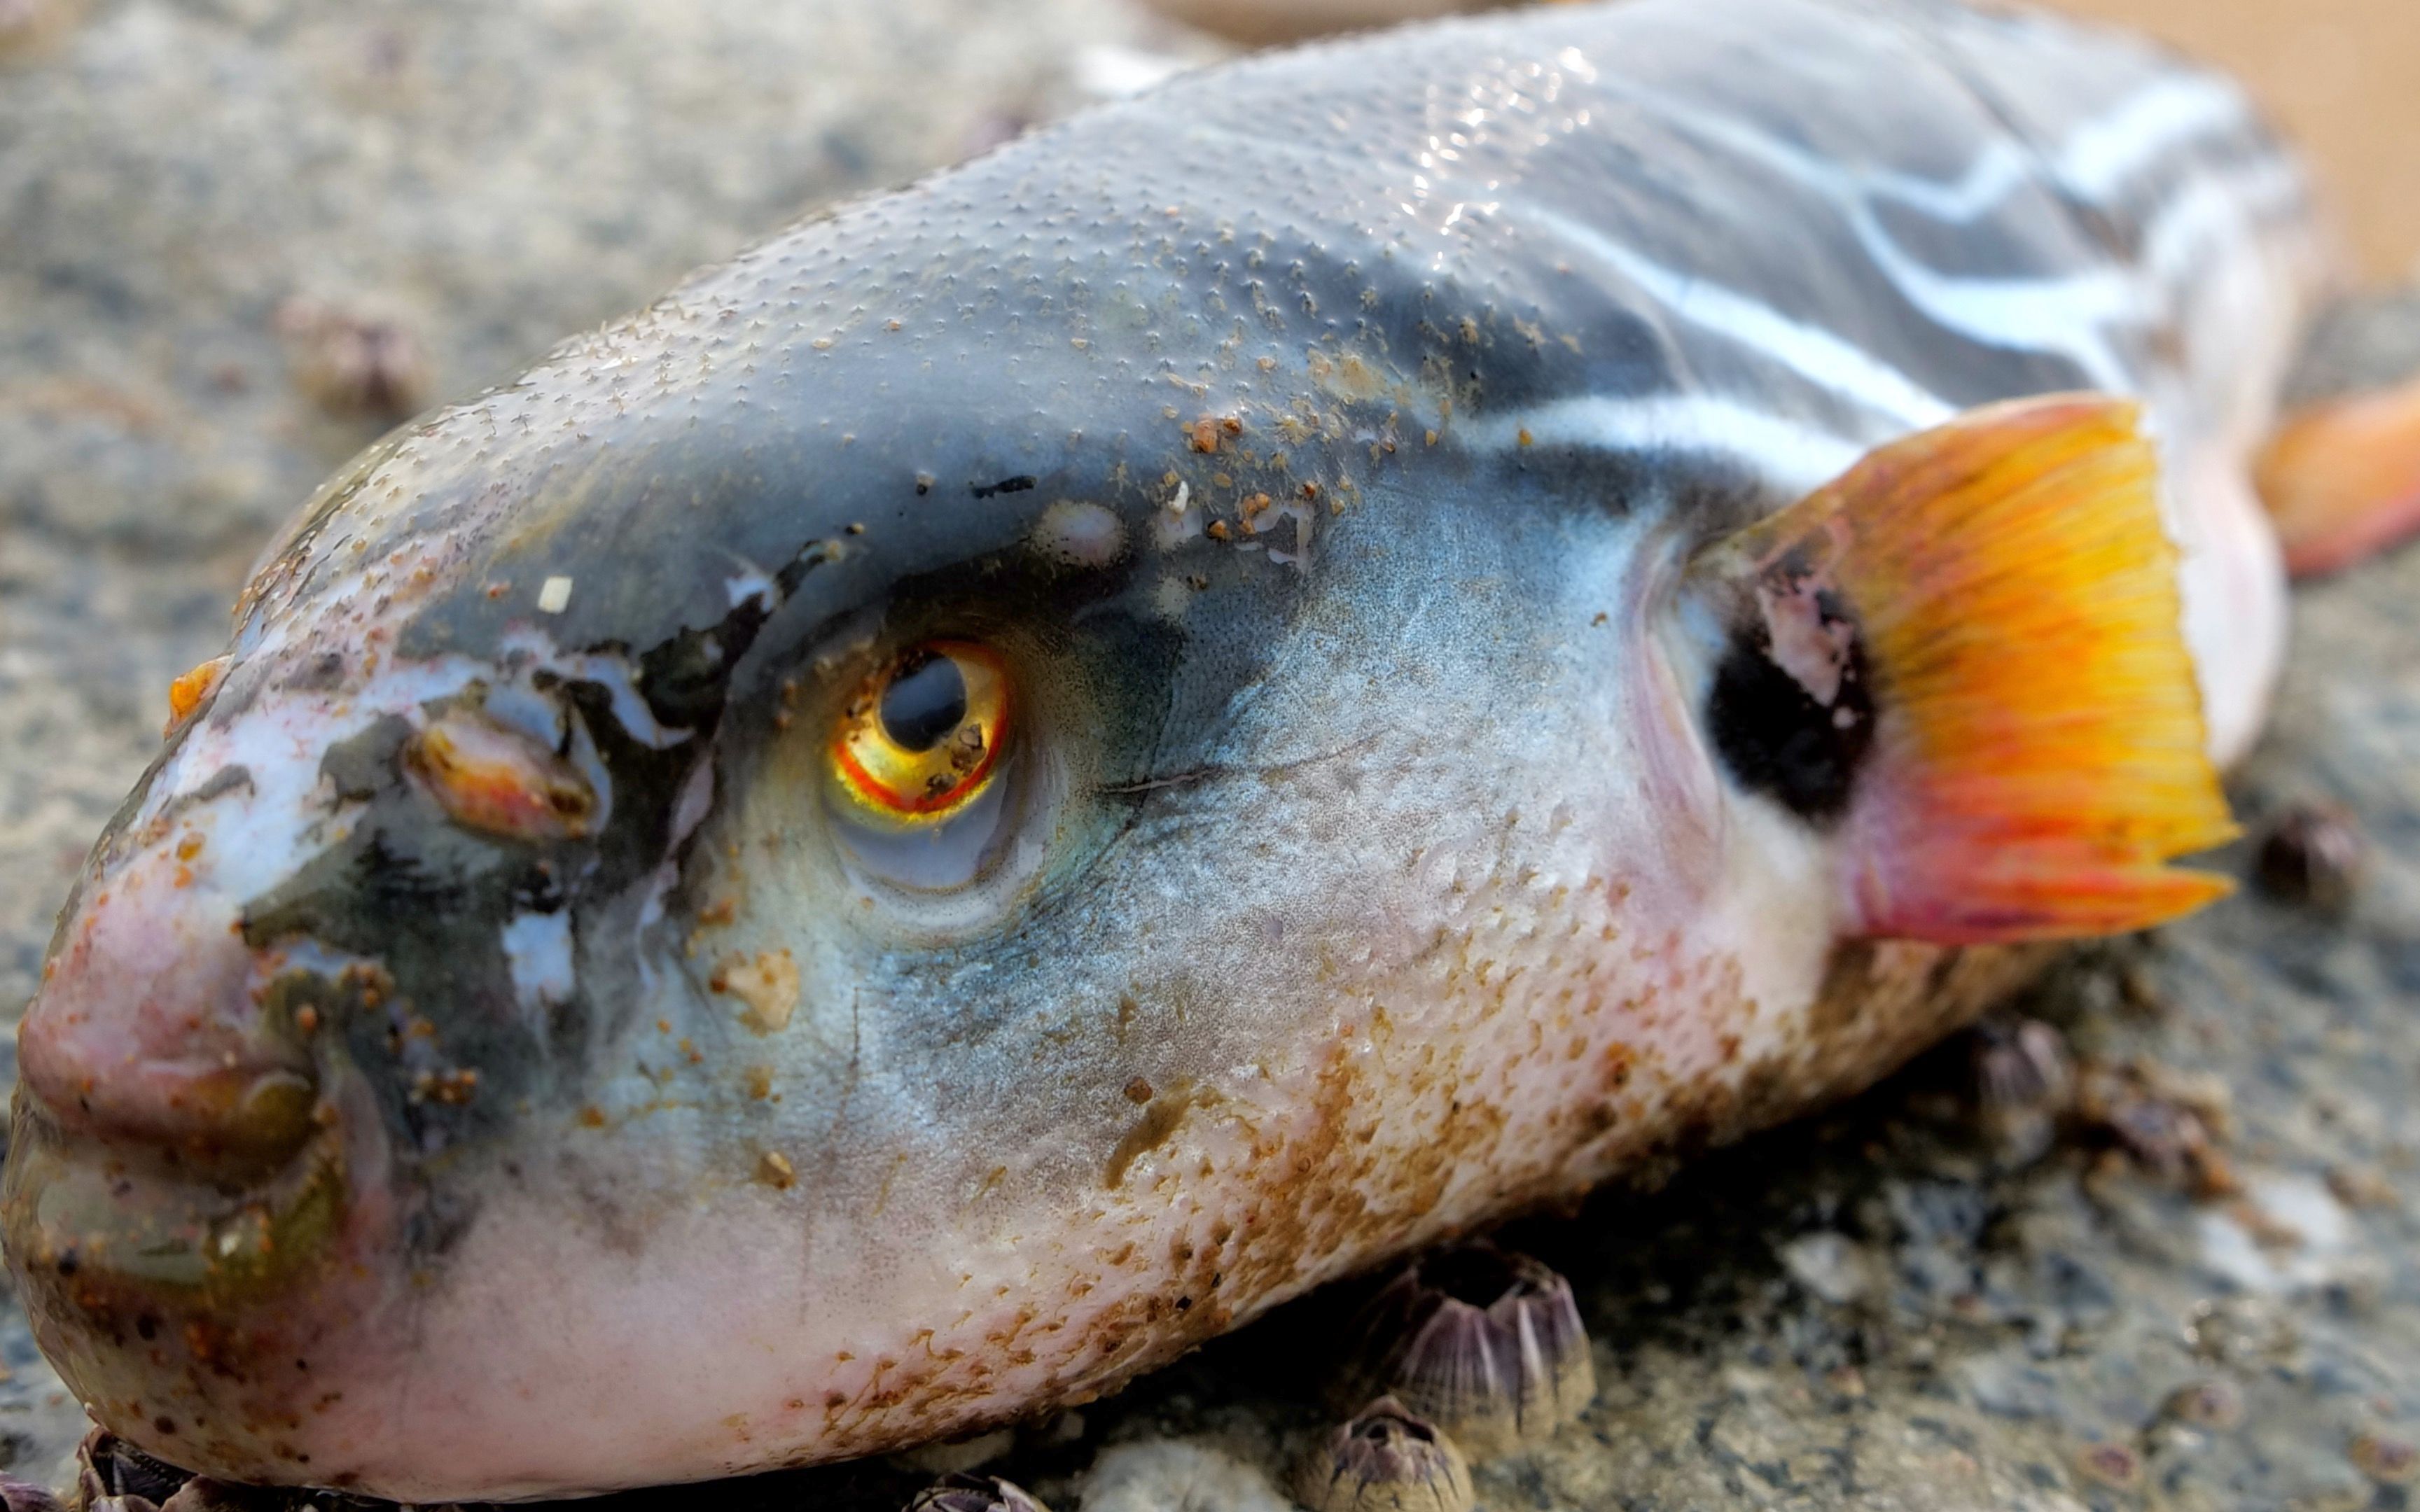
(1040, 764)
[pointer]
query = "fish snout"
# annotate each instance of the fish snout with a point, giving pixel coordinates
(197, 1204)
(156, 1027)
(308, 985)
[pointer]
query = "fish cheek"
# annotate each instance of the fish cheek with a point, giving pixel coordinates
(825, 978)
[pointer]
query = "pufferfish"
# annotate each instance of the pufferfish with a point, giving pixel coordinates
(1251, 681)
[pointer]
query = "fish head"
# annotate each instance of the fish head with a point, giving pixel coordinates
(811, 876)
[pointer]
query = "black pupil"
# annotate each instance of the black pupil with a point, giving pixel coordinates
(925, 700)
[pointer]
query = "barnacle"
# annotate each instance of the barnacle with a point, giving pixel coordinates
(2173, 1124)
(18, 1495)
(1384, 1459)
(974, 1494)
(1482, 1342)
(113, 1473)
(2023, 1081)
(2213, 1402)
(354, 363)
(2313, 855)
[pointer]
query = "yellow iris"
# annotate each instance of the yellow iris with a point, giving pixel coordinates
(920, 738)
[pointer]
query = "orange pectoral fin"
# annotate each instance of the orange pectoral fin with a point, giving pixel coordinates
(2341, 478)
(2004, 590)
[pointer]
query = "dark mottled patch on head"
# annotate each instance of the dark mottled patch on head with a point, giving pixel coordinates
(1022, 482)
(1778, 740)
(223, 781)
(358, 768)
(321, 673)
(422, 901)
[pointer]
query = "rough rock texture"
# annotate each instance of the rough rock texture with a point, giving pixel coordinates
(222, 222)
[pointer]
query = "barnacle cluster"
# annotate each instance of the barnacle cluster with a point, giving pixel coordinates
(1485, 1343)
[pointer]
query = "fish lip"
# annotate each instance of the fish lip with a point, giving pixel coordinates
(90, 1216)
(186, 1308)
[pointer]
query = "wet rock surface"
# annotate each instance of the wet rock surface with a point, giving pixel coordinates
(236, 235)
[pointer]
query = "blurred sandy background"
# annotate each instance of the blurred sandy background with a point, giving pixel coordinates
(2342, 75)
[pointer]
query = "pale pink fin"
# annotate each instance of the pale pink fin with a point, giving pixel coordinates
(2341, 478)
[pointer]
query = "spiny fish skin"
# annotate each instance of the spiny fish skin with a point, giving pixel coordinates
(490, 1056)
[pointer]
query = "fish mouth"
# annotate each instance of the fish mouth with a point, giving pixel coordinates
(199, 1200)
(89, 1219)
(196, 1307)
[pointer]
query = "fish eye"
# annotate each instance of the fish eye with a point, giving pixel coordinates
(924, 778)
(921, 738)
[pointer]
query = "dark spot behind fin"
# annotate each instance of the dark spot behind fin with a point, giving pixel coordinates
(1777, 740)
